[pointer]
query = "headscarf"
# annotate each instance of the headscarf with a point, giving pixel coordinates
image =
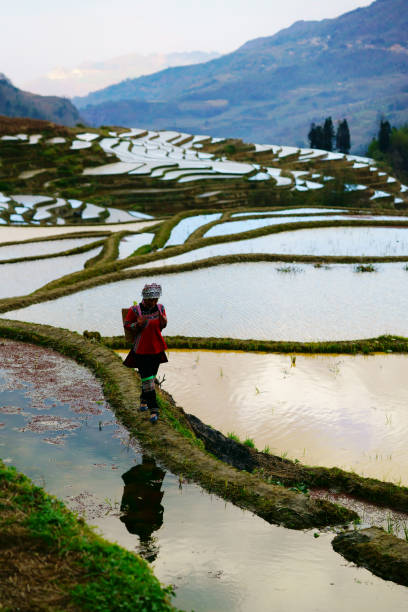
(152, 291)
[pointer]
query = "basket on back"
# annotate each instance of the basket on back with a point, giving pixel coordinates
(129, 334)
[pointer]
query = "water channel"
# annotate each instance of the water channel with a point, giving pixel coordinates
(57, 428)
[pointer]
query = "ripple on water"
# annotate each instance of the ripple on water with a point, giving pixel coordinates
(331, 410)
(218, 556)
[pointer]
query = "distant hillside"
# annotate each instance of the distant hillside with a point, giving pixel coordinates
(272, 88)
(88, 76)
(23, 125)
(17, 103)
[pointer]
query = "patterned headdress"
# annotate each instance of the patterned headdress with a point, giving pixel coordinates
(152, 291)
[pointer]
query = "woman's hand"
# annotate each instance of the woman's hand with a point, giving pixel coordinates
(162, 319)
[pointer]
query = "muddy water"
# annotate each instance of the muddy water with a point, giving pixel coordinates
(56, 427)
(249, 300)
(330, 410)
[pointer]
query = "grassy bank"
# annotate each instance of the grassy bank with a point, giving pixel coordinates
(50, 560)
(381, 344)
(173, 441)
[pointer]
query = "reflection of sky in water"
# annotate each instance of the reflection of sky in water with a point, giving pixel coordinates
(343, 410)
(248, 300)
(289, 211)
(375, 241)
(187, 226)
(246, 225)
(129, 244)
(218, 556)
(42, 248)
(27, 276)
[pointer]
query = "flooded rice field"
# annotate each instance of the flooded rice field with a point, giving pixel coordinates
(289, 211)
(329, 410)
(129, 244)
(27, 276)
(246, 225)
(248, 300)
(47, 247)
(187, 226)
(350, 241)
(57, 428)
(17, 234)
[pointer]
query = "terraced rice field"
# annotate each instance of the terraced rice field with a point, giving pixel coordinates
(331, 410)
(90, 217)
(85, 457)
(248, 300)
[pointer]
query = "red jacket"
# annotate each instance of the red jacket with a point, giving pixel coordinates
(148, 339)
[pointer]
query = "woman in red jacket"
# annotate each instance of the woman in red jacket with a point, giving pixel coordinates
(146, 320)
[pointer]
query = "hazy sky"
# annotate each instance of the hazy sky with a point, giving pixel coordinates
(38, 35)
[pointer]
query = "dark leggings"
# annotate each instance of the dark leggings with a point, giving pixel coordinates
(148, 373)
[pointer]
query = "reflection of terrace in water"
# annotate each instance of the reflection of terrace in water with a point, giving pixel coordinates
(325, 411)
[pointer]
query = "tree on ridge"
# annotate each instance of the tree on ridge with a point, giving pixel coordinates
(343, 143)
(328, 134)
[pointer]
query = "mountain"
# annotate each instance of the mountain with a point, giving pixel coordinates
(80, 80)
(17, 103)
(272, 88)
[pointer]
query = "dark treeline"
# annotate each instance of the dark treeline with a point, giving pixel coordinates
(391, 146)
(327, 138)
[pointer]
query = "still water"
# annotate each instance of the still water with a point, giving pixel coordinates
(30, 249)
(24, 277)
(331, 410)
(246, 225)
(248, 300)
(57, 428)
(347, 241)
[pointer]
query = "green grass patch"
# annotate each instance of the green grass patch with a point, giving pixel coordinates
(109, 578)
(365, 268)
(233, 436)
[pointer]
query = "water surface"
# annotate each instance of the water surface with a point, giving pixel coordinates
(246, 225)
(47, 247)
(27, 276)
(350, 241)
(187, 226)
(331, 410)
(218, 556)
(248, 300)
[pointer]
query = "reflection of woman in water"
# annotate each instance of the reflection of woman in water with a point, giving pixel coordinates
(141, 503)
(146, 321)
